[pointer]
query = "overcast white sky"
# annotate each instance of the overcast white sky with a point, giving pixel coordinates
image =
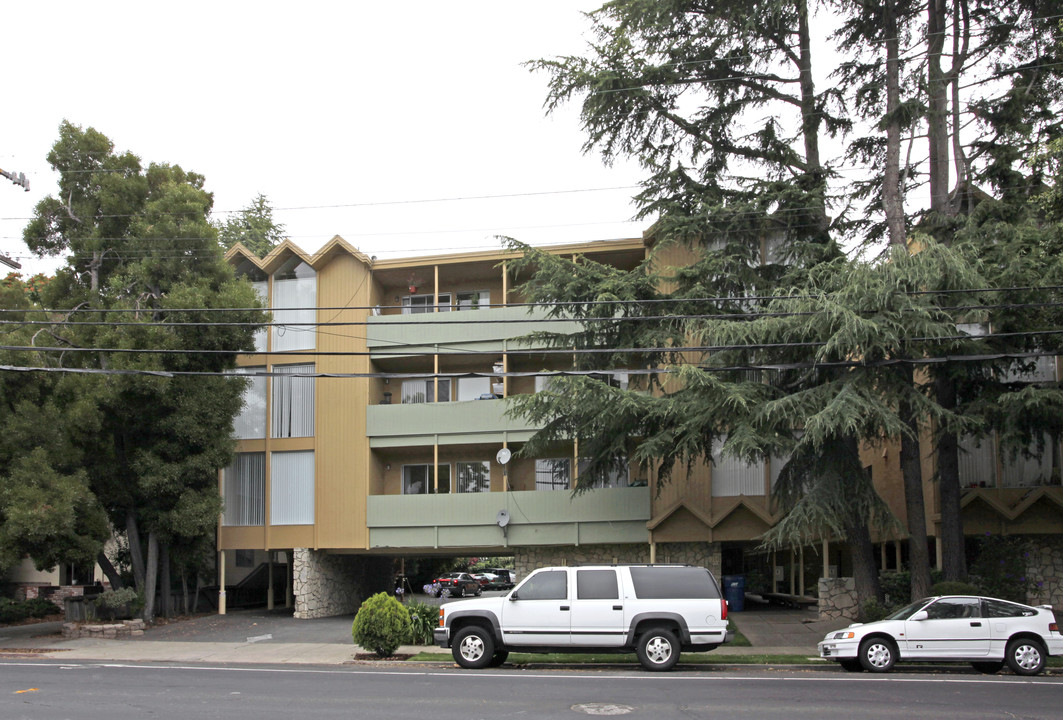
(349, 116)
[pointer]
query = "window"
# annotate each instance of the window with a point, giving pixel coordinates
(597, 585)
(954, 609)
(678, 583)
(260, 284)
(291, 499)
(244, 490)
(472, 388)
(294, 304)
(474, 476)
(293, 401)
(420, 480)
(422, 391)
(553, 474)
(474, 299)
(549, 585)
(250, 424)
(616, 475)
(1001, 609)
(733, 476)
(417, 304)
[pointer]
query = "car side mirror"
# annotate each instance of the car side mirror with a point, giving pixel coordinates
(921, 615)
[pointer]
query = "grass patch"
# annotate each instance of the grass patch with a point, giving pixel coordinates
(739, 639)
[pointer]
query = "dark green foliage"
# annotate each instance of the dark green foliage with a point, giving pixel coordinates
(424, 618)
(253, 227)
(951, 587)
(872, 611)
(381, 625)
(1000, 566)
(13, 611)
(41, 607)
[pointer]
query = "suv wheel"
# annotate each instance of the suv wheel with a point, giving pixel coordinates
(658, 649)
(474, 648)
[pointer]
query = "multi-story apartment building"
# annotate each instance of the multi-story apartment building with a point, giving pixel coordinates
(380, 429)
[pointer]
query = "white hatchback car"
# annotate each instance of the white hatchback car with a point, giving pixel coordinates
(985, 632)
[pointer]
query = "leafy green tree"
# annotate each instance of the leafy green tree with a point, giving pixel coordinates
(149, 298)
(253, 226)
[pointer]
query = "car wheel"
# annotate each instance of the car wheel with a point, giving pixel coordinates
(498, 658)
(1025, 656)
(988, 666)
(851, 665)
(474, 648)
(479, 592)
(658, 649)
(878, 654)
(464, 590)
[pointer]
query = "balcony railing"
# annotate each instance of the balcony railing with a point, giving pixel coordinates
(471, 520)
(453, 422)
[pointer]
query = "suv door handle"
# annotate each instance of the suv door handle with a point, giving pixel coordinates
(976, 624)
(618, 607)
(564, 607)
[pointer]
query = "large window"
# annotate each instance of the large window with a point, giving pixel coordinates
(293, 401)
(291, 498)
(420, 480)
(616, 475)
(474, 476)
(424, 391)
(244, 490)
(416, 304)
(553, 474)
(250, 424)
(983, 464)
(473, 388)
(260, 283)
(473, 299)
(733, 476)
(294, 305)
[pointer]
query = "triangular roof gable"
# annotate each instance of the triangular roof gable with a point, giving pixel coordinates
(1012, 513)
(672, 509)
(280, 254)
(239, 250)
(335, 246)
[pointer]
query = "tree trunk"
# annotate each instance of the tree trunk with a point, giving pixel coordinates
(184, 592)
(865, 568)
(136, 552)
(937, 108)
(151, 575)
(915, 506)
(165, 589)
(953, 556)
(892, 192)
(108, 569)
(199, 587)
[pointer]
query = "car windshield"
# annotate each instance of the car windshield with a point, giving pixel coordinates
(905, 612)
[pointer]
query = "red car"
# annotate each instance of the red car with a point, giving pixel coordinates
(457, 584)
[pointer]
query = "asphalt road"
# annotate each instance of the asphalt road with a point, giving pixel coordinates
(45, 690)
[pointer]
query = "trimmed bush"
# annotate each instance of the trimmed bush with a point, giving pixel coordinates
(953, 587)
(118, 604)
(381, 624)
(41, 608)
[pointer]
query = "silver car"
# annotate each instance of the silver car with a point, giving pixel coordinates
(986, 632)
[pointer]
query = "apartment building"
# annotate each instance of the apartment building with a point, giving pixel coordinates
(381, 430)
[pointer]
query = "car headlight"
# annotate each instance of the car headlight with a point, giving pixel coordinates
(843, 635)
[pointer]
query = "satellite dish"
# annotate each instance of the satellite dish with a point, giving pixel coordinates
(502, 518)
(503, 456)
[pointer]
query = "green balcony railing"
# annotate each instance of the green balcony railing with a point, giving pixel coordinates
(471, 520)
(454, 423)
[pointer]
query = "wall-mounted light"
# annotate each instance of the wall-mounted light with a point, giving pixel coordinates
(387, 466)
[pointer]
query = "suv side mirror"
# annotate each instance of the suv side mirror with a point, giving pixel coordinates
(921, 615)
(514, 596)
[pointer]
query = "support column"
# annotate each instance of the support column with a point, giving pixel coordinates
(289, 555)
(801, 577)
(938, 553)
(269, 587)
(221, 582)
(826, 558)
(653, 552)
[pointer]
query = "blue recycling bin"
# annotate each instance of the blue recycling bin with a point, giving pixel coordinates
(734, 592)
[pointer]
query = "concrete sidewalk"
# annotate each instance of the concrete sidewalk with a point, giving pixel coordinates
(260, 637)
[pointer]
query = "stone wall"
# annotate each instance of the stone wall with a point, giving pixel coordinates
(107, 631)
(1044, 568)
(837, 599)
(526, 559)
(326, 585)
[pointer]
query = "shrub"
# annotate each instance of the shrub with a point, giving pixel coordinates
(41, 608)
(953, 587)
(115, 604)
(423, 620)
(12, 611)
(873, 610)
(999, 569)
(381, 624)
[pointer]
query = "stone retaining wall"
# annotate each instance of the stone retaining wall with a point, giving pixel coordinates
(109, 631)
(1044, 567)
(326, 585)
(837, 599)
(707, 555)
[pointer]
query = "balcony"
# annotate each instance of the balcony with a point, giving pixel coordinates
(470, 521)
(455, 423)
(491, 330)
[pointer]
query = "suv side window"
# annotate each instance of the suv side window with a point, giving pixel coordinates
(677, 583)
(596, 585)
(550, 585)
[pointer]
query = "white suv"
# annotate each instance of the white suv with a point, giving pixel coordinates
(655, 610)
